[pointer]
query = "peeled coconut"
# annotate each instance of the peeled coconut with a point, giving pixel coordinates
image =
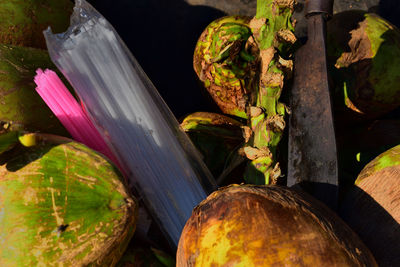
(364, 61)
(245, 225)
(62, 204)
(372, 207)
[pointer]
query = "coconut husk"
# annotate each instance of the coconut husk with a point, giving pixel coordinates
(372, 207)
(248, 225)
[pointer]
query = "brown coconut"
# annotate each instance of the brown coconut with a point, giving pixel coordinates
(244, 225)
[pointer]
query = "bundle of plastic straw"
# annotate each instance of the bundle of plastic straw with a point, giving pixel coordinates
(166, 170)
(61, 102)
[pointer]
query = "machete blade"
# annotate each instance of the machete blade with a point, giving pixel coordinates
(312, 145)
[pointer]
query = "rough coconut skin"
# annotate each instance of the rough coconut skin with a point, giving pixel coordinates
(62, 204)
(372, 207)
(364, 55)
(224, 62)
(20, 105)
(243, 225)
(22, 21)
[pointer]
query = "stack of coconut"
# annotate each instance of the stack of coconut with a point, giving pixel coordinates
(63, 204)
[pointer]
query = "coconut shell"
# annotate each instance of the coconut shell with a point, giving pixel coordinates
(22, 22)
(62, 204)
(364, 61)
(372, 207)
(20, 104)
(244, 225)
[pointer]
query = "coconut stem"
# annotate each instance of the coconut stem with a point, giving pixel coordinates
(273, 31)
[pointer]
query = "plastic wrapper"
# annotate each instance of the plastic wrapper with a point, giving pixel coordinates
(162, 164)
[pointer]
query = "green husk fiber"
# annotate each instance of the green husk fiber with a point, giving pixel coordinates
(62, 204)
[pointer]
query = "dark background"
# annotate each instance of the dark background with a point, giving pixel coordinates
(162, 35)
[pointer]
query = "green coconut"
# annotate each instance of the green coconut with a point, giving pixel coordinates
(372, 207)
(244, 225)
(62, 204)
(22, 21)
(21, 106)
(225, 62)
(364, 60)
(244, 63)
(218, 138)
(8, 140)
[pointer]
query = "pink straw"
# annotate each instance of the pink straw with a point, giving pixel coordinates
(70, 113)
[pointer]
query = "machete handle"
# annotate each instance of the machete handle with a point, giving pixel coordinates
(314, 7)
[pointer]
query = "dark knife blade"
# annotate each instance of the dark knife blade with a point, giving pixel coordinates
(312, 162)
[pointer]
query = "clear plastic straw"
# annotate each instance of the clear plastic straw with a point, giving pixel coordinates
(166, 170)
